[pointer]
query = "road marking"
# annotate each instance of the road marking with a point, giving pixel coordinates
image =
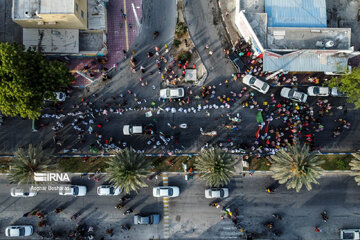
(166, 223)
(126, 28)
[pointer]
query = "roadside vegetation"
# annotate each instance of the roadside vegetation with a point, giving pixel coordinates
(349, 84)
(27, 78)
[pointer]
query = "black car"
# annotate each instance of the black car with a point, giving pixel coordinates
(235, 59)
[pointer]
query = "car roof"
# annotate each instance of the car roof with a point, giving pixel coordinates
(164, 191)
(104, 190)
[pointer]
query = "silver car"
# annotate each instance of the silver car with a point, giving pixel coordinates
(19, 231)
(293, 95)
(108, 190)
(144, 220)
(216, 193)
(20, 192)
(256, 84)
(73, 190)
(171, 93)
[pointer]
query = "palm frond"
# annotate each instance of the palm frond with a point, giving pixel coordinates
(216, 166)
(296, 167)
(127, 170)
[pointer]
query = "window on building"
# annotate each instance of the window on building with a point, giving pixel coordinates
(82, 14)
(76, 7)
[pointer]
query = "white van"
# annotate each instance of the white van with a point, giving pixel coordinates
(130, 130)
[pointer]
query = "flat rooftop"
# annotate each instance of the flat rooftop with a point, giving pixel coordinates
(307, 38)
(52, 40)
(24, 9)
(296, 13)
(93, 42)
(56, 7)
(96, 16)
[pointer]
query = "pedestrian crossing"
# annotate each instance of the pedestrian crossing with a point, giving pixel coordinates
(166, 209)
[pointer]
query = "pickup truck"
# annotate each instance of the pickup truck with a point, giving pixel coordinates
(350, 234)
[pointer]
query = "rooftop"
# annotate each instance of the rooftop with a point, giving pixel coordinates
(56, 7)
(52, 40)
(308, 38)
(296, 13)
(96, 16)
(306, 61)
(26, 9)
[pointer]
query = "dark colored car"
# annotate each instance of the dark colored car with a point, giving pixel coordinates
(235, 59)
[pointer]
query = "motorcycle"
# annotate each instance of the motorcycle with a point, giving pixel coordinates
(125, 227)
(324, 216)
(119, 206)
(156, 34)
(276, 216)
(128, 212)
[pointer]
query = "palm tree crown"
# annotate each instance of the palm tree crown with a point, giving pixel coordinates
(216, 166)
(355, 167)
(27, 162)
(127, 170)
(296, 167)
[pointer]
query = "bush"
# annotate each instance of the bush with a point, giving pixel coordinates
(177, 42)
(184, 56)
(180, 29)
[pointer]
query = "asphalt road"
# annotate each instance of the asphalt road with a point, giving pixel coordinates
(191, 217)
(94, 210)
(205, 29)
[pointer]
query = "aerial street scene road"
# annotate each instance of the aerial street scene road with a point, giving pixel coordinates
(180, 119)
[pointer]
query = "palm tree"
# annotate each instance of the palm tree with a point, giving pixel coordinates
(296, 167)
(355, 167)
(127, 170)
(216, 166)
(27, 162)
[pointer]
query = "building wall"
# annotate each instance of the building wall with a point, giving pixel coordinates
(82, 7)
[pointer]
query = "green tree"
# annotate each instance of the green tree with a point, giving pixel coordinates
(127, 170)
(27, 162)
(26, 78)
(216, 166)
(355, 167)
(296, 167)
(180, 29)
(349, 84)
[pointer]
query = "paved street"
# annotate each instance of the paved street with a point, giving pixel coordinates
(190, 215)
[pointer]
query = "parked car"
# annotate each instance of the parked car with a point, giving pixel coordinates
(336, 93)
(19, 231)
(144, 220)
(20, 192)
(347, 234)
(59, 96)
(318, 91)
(256, 84)
(293, 94)
(130, 130)
(238, 63)
(73, 190)
(166, 191)
(216, 193)
(108, 190)
(172, 93)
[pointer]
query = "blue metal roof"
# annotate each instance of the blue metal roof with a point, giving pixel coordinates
(305, 61)
(296, 13)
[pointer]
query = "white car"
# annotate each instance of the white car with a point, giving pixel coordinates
(256, 84)
(59, 96)
(166, 191)
(293, 94)
(336, 93)
(107, 190)
(73, 190)
(19, 231)
(130, 130)
(216, 193)
(318, 91)
(20, 192)
(347, 234)
(172, 93)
